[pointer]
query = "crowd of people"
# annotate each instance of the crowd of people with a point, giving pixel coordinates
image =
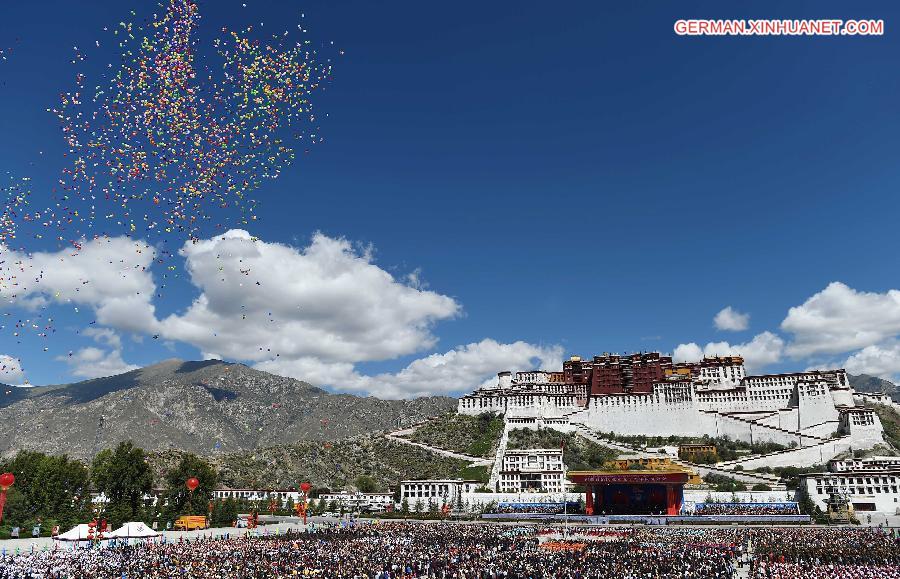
(746, 509)
(537, 508)
(831, 553)
(411, 550)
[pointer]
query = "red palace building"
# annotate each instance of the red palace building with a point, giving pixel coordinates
(631, 492)
(618, 374)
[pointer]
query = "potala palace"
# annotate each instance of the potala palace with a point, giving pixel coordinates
(815, 412)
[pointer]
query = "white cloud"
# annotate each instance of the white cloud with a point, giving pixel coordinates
(460, 369)
(881, 360)
(11, 370)
(841, 319)
(94, 362)
(104, 336)
(690, 352)
(327, 301)
(313, 312)
(764, 349)
(731, 320)
(110, 275)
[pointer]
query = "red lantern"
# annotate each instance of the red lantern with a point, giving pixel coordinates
(6, 480)
(192, 483)
(305, 487)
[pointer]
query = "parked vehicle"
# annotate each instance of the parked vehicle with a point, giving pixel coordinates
(190, 523)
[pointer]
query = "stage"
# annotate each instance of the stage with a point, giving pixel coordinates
(649, 492)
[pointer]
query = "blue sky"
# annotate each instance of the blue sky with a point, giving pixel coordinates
(578, 179)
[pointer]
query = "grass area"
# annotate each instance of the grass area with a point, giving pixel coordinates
(791, 474)
(578, 453)
(723, 483)
(472, 435)
(480, 473)
(726, 448)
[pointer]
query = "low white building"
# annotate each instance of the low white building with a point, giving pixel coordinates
(871, 463)
(437, 491)
(870, 484)
(535, 470)
(358, 501)
(258, 495)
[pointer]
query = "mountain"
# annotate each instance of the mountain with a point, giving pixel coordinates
(873, 384)
(209, 408)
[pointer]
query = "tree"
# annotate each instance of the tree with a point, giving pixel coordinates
(177, 498)
(124, 477)
(225, 512)
(404, 506)
(366, 484)
(761, 487)
(47, 487)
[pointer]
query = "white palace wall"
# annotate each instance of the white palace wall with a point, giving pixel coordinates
(798, 410)
(641, 414)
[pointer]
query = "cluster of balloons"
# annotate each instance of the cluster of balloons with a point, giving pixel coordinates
(172, 140)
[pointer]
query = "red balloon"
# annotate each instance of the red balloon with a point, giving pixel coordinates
(305, 487)
(192, 483)
(6, 480)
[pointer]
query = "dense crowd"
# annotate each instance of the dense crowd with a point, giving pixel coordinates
(541, 508)
(442, 550)
(805, 571)
(746, 509)
(837, 545)
(834, 553)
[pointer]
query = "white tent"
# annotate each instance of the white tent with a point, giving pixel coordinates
(76, 533)
(132, 530)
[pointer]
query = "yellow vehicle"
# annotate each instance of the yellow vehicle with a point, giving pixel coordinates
(189, 523)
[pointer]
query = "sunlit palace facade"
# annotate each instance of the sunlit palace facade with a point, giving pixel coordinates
(649, 394)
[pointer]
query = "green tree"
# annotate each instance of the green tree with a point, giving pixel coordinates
(124, 477)
(317, 507)
(366, 484)
(225, 512)
(50, 488)
(178, 500)
(404, 507)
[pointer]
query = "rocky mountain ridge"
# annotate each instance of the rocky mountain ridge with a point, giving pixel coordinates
(209, 408)
(875, 385)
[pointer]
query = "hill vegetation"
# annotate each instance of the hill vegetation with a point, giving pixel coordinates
(726, 448)
(578, 453)
(472, 435)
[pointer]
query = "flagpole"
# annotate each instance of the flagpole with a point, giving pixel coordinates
(565, 495)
